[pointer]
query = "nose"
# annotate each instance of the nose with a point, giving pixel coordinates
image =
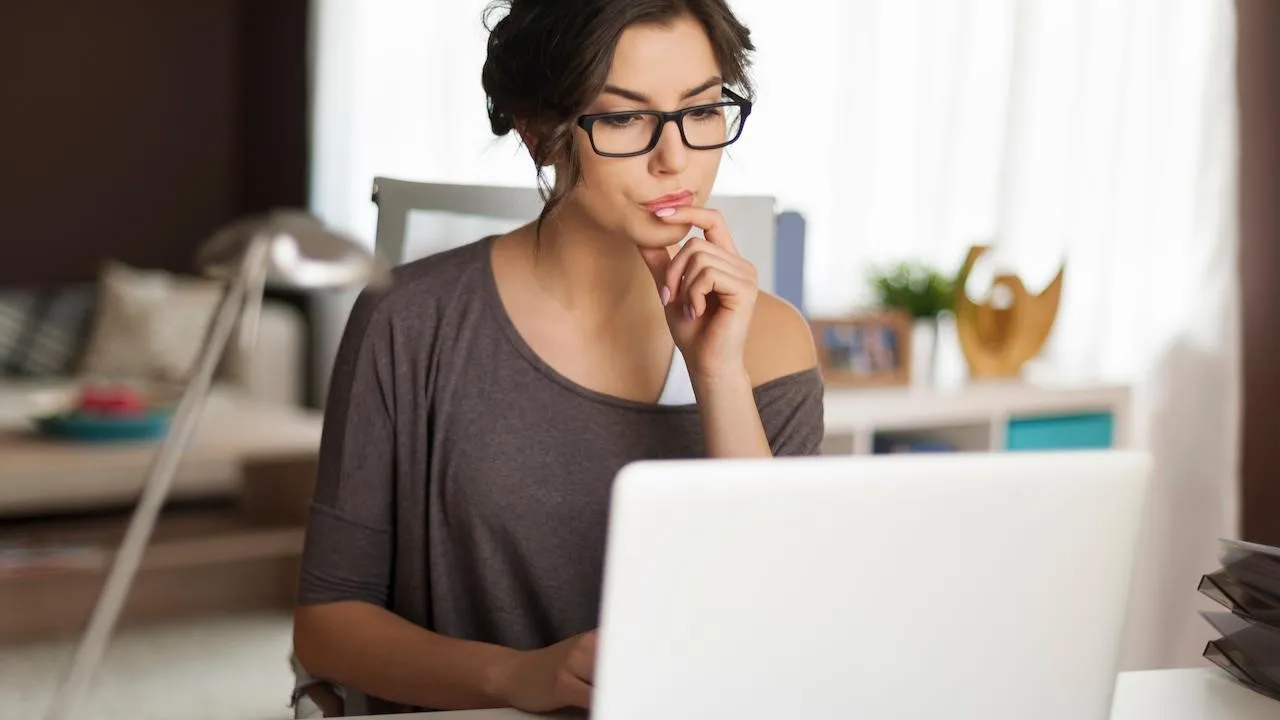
(670, 156)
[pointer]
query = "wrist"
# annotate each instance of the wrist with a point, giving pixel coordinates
(499, 676)
(720, 380)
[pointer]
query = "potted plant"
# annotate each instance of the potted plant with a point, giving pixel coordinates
(924, 293)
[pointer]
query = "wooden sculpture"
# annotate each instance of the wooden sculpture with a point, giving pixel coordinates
(999, 338)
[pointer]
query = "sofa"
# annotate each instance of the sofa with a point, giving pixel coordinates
(53, 341)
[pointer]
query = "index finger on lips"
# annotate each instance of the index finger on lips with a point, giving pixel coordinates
(712, 222)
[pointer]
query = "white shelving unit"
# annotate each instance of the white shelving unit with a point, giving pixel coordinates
(975, 417)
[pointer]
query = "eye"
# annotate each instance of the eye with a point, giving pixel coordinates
(706, 113)
(621, 121)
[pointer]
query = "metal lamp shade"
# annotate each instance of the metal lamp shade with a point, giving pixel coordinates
(302, 252)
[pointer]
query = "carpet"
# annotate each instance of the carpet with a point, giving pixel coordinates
(233, 667)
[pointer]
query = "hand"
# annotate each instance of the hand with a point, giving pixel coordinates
(552, 678)
(709, 291)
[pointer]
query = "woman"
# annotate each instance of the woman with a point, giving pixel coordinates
(481, 406)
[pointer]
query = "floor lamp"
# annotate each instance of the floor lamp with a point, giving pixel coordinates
(283, 248)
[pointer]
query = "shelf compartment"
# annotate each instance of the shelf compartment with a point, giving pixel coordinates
(1080, 431)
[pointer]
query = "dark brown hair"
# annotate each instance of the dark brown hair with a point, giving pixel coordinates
(549, 59)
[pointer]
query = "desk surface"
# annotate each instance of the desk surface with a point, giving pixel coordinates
(1195, 694)
(1192, 694)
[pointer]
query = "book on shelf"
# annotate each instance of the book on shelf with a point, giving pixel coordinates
(23, 560)
(891, 445)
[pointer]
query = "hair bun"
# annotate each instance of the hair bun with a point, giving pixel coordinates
(495, 77)
(499, 121)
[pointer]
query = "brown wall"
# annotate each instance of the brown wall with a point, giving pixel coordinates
(134, 128)
(1259, 85)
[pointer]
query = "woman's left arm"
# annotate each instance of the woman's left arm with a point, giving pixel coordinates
(734, 339)
(774, 407)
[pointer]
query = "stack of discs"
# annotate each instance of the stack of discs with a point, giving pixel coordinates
(1248, 586)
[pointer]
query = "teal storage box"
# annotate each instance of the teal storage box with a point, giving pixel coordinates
(1093, 431)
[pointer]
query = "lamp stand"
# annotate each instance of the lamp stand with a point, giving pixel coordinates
(160, 474)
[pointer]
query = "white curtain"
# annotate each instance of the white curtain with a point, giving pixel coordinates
(1096, 132)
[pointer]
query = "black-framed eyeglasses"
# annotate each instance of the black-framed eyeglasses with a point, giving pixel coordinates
(636, 132)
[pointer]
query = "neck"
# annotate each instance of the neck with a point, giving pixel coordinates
(589, 272)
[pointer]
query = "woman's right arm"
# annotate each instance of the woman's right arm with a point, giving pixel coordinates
(369, 648)
(343, 632)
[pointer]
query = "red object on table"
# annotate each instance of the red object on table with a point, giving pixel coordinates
(112, 401)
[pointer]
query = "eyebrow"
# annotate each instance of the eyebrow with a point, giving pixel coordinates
(642, 98)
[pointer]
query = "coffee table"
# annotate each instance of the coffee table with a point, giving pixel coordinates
(229, 539)
(41, 475)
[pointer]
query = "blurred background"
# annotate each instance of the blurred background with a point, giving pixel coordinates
(1130, 143)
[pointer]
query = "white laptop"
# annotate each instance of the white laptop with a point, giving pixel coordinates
(961, 586)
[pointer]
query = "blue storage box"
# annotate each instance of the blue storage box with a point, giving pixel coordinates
(1090, 431)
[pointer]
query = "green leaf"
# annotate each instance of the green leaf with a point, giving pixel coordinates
(914, 287)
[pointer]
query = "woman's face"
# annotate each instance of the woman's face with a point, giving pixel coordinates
(655, 67)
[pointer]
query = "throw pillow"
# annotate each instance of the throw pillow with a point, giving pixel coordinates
(150, 324)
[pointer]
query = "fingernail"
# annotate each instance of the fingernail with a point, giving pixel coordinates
(688, 311)
(665, 294)
(665, 212)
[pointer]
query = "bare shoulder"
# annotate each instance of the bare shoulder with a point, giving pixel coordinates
(779, 342)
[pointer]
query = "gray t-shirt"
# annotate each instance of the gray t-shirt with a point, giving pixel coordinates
(464, 483)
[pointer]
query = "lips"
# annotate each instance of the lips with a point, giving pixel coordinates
(672, 200)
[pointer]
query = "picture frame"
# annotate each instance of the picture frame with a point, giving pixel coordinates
(866, 349)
